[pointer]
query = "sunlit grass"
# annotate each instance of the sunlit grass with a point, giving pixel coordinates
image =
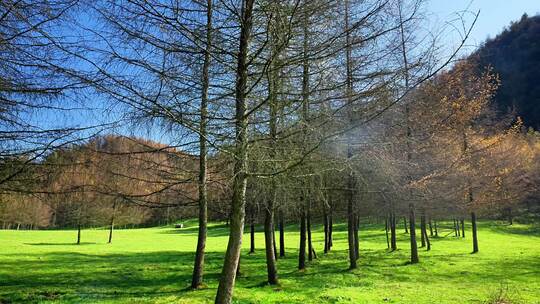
(154, 266)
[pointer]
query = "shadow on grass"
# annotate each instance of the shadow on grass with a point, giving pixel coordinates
(67, 274)
(528, 230)
(80, 277)
(61, 244)
(213, 230)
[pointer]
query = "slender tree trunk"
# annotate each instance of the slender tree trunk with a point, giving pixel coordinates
(53, 219)
(273, 89)
(269, 245)
(430, 228)
(281, 235)
(462, 227)
(78, 234)
(325, 222)
(356, 241)
(428, 243)
(351, 182)
(274, 242)
(436, 230)
(302, 251)
(412, 220)
(310, 244)
(330, 231)
(305, 121)
(412, 230)
(393, 242)
(198, 268)
(232, 255)
(405, 225)
(387, 219)
(456, 228)
(111, 227)
(350, 236)
(474, 232)
(252, 235)
(423, 230)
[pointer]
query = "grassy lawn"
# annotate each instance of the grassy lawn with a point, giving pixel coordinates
(154, 266)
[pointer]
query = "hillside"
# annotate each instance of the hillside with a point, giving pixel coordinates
(85, 183)
(514, 55)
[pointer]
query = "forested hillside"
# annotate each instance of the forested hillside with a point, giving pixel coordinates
(128, 180)
(514, 56)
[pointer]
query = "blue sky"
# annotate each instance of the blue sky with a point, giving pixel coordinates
(494, 14)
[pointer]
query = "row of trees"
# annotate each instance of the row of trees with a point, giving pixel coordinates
(299, 109)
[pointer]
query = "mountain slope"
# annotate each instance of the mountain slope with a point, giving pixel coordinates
(515, 56)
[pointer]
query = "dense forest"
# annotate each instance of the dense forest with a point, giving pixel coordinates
(514, 55)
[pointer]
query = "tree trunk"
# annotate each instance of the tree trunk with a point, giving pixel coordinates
(387, 219)
(350, 236)
(428, 243)
(462, 227)
(305, 119)
(281, 236)
(350, 182)
(308, 225)
(412, 230)
(111, 227)
(393, 242)
(474, 232)
(405, 225)
(456, 228)
(273, 91)
(269, 245)
(310, 244)
(232, 255)
(423, 230)
(198, 267)
(274, 241)
(302, 251)
(430, 228)
(412, 220)
(252, 236)
(330, 231)
(436, 230)
(356, 241)
(53, 219)
(325, 222)
(78, 234)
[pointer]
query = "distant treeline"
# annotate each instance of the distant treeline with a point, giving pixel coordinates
(139, 182)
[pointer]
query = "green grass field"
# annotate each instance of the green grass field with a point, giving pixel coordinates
(154, 266)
